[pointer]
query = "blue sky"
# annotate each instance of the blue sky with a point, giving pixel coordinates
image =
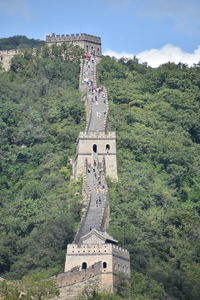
(151, 29)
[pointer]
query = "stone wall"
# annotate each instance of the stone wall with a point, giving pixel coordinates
(71, 284)
(75, 275)
(74, 291)
(6, 56)
(94, 257)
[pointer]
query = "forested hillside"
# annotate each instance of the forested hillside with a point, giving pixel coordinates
(40, 117)
(19, 42)
(155, 205)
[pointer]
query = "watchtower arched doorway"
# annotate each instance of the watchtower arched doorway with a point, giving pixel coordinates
(104, 265)
(84, 266)
(94, 148)
(107, 148)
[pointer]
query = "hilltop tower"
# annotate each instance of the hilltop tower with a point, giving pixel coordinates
(89, 43)
(94, 257)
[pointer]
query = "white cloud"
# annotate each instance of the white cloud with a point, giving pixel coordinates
(156, 57)
(16, 7)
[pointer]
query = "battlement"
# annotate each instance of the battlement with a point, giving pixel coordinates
(97, 135)
(10, 52)
(119, 251)
(73, 37)
(76, 275)
(84, 249)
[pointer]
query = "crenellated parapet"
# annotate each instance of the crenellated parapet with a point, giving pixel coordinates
(97, 135)
(97, 249)
(73, 37)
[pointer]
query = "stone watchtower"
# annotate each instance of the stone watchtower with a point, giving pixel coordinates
(101, 143)
(89, 43)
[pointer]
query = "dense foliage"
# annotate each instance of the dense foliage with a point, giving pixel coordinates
(40, 118)
(155, 206)
(18, 42)
(29, 288)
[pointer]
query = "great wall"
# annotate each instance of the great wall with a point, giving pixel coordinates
(93, 259)
(83, 40)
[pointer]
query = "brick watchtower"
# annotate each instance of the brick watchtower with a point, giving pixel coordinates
(89, 43)
(102, 143)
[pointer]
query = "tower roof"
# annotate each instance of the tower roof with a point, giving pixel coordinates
(97, 237)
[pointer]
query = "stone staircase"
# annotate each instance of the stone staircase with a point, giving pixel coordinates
(97, 201)
(94, 177)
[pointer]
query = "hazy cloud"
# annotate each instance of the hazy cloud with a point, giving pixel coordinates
(156, 57)
(184, 13)
(16, 7)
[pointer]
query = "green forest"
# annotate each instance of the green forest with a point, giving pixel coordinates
(19, 42)
(155, 205)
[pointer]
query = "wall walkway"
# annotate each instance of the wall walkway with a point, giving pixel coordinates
(95, 215)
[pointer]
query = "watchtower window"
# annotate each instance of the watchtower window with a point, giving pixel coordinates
(95, 148)
(84, 266)
(98, 50)
(87, 48)
(107, 147)
(104, 265)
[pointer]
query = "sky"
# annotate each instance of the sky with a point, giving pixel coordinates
(156, 31)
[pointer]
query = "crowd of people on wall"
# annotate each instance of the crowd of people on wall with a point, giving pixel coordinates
(98, 103)
(96, 95)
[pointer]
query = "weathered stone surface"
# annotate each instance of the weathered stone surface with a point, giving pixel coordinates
(6, 56)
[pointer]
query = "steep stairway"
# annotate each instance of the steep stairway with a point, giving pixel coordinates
(94, 174)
